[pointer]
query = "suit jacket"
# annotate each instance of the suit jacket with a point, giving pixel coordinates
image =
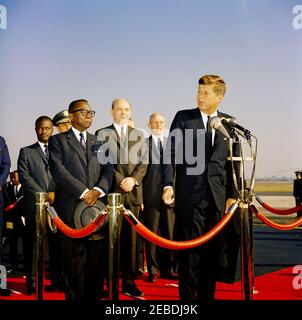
(153, 181)
(217, 173)
(297, 191)
(34, 176)
(4, 166)
(74, 171)
(137, 164)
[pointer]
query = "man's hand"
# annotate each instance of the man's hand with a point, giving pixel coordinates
(229, 203)
(91, 197)
(127, 184)
(168, 196)
(51, 197)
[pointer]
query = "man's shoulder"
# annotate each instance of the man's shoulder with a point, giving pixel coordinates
(30, 147)
(110, 127)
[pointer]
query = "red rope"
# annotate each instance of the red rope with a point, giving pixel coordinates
(77, 233)
(275, 225)
(10, 207)
(179, 245)
(278, 211)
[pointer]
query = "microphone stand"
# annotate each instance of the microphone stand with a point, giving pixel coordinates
(246, 215)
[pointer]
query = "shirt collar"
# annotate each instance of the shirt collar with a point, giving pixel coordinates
(77, 133)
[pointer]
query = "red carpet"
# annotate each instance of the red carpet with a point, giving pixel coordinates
(272, 286)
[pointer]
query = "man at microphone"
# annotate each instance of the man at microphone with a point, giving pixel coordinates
(202, 198)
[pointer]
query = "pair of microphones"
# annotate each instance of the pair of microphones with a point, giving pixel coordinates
(220, 124)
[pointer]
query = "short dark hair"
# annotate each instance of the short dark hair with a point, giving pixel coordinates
(42, 118)
(217, 82)
(73, 104)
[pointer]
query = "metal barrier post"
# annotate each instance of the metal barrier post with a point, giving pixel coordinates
(115, 219)
(246, 253)
(41, 198)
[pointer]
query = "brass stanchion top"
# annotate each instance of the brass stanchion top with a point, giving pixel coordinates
(114, 199)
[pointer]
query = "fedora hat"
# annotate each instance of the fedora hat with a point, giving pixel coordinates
(85, 214)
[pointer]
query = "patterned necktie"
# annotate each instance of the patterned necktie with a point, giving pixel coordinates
(82, 141)
(123, 135)
(46, 151)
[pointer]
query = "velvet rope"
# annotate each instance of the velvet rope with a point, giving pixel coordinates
(275, 225)
(76, 233)
(10, 207)
(278, 211)
(178, 245)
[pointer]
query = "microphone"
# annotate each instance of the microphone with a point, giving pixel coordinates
(232, 122)
(216, 123)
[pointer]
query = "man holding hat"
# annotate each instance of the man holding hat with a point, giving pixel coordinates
(79, 178)
(62, 121)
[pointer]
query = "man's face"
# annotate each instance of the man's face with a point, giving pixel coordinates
(157, 124)
(14, 178)
(63, 127)
(44, 130)
(81, 117)
(121, 112)
(207, 99)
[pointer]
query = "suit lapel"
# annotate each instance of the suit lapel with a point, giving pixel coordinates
(90, 141)
(198, 119)
(76, 146)
(40, 153)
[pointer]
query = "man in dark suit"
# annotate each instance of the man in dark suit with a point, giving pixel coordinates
(157, 215)
(204, 189)
(14, 224)
(35, 177)
(4, 171)
(129, 153)
(79, 177)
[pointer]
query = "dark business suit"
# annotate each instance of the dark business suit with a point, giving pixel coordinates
(156, 215)
(297, 192)
(75, 170)
(199, 204)
(4, 171)
(136, 168)
(35, 177)
(14, 223)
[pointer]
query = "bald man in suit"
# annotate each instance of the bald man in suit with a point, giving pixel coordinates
(130, 155)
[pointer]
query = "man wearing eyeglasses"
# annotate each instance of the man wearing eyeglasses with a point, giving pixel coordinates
(79, 177)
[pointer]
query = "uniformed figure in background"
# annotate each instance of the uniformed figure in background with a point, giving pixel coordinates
(62, 121)
(297, 192)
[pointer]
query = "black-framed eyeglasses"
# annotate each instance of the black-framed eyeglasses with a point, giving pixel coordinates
(85, 112)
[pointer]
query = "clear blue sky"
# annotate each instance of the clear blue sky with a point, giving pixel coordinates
(153, 52)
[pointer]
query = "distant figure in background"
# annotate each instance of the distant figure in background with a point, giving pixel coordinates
(4, 171)
(62, 121)
(14, 225)
(297, 192)
(157, 215)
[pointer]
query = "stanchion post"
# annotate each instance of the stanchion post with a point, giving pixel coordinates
(41, 198)
(246, 253)
(115, 219)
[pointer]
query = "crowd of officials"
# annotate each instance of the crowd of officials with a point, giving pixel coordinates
(162, 195)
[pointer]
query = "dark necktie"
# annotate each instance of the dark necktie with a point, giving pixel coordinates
(82, 141)
(160, 148)
(209, 139)
(15, 190)
(46, 151)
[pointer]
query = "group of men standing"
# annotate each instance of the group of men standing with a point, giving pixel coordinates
(66, 167)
